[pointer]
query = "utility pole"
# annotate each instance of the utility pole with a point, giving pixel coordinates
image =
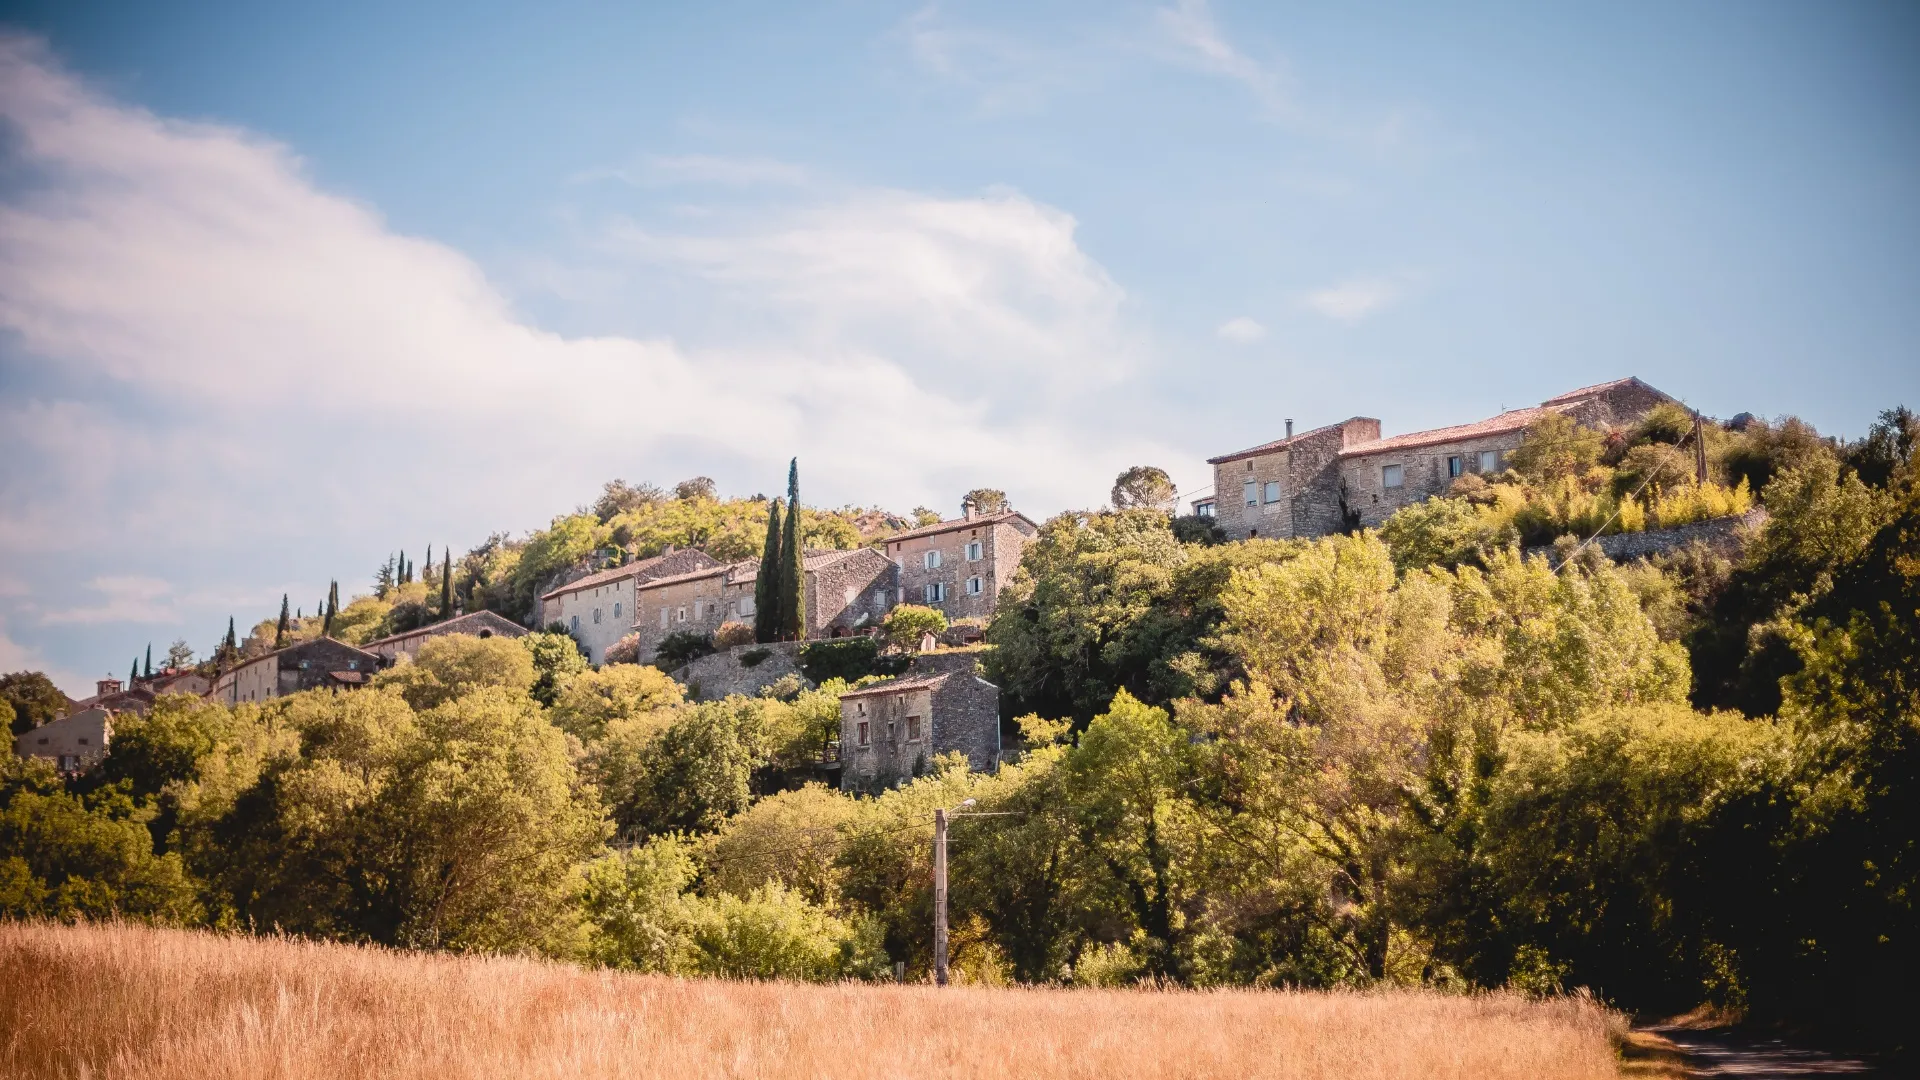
(940, 898)
(1699, 450)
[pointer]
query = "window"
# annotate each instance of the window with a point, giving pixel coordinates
(890, 735)
(880, 600)
(353, 665)
(1456, 466)
(936, 592)
(1273, 491)
(304, 663)
(1390, 476)
(573, 622)
(596, 616)
(663, 618)
(974, 551)
(1489, 461)
(913, 729)
(976, 586)
(1252, 491)
(83, 742)
(931, 559)
(865, 733)
(683, 613)
(746, 605)
(616, 609)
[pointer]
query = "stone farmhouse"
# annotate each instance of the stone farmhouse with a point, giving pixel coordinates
(892, 730)
(73, 743)
(960, 566)
(305, 666)
(845, 592)
(599, 609)
(477, 623)
(1345, 475)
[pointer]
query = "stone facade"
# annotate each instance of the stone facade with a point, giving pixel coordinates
(845, 591)
(1346, 475)
(1723, 534)
(960, 566)
(73, 743)
(891, 731)
(477, 623)
(724, 674)
(599, 609)
(306, 666)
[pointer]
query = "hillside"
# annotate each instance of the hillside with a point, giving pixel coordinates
(140, 1004)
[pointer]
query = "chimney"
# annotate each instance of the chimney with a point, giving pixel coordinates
(107, 686)
(966, 509)
(1289, 427)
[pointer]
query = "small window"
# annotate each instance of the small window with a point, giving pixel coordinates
(974, 551)
(573, 622)
(891, 736)
(1456, 465)
(353, 665)
(304, 663)
(931, 559)
(976, 586)
(683, 614)
(616, 609)
(1390, 476)
(913, 729)
(83, 742)
(936, 592)
(865, 732)
(746, 605)
(1489, 461)
(596, 616)
(43, 742)
(663, 618)
(1273, 491)
(1252, 491)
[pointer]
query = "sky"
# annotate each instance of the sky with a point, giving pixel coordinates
(282, 290)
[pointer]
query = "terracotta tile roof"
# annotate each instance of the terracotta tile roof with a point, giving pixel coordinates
(1596, 388)
(301, 645)
(489, 619)
(604, 577)
(816, 560)
(733, 571)
(917, 682)
(1277, 444)
(1511, 420)
(961, 523)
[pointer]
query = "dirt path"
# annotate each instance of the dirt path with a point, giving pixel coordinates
(1723, 1054)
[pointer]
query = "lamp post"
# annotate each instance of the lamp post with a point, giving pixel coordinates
(940, 894)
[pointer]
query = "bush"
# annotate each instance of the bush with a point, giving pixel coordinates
(1194, 529)
(732, 634)
(907, 623)
(754, 657)
(624, 651)
(682, 648)
(851, 659)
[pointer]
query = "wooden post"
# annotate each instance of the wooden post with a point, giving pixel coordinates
(940, 897)
(1699, 449)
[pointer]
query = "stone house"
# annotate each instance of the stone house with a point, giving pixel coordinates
(477, 623)
(845, 592)
(73, 743)
(109, 694)
(891, 731)
(960, 566)
(305, 666)
(1345, 475)
(599, 609)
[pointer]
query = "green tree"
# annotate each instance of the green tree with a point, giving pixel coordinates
(68, 857)
(34, 698)
(685, 770)
(680, 648)
(984, 500)
(556, 662)
(793, 563)
(1555, 446)
(766, 583)
(280, 630)
(907, 623)
(149, 664)
(446, 584)
(635, 903)
(1144, 487)
(455, 665)
(593, 699)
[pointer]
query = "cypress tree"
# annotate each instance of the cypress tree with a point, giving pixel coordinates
(333, 608)
(766, 584)
(404, 576)
(446, 584)
(133, 675)
(149, 659)
(280, 632)
(793, 560)
(429, 558)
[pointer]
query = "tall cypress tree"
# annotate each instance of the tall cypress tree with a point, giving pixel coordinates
(446, 584)
(766, 585)
(133, 675)
(793, 559)
(280, 632)
(404, 576)
(333, 608)
(149, 659)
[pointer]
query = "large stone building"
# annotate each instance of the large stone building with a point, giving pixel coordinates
(1345, 475)
(891, 731)
(960, 566)
(73, 742)
(305, 666)
(599, 609)
(845, 591)
(477, 623)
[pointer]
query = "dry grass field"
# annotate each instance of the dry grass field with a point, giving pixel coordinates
(139, 1004)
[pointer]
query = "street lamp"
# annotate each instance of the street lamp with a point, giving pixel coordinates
(940, 893)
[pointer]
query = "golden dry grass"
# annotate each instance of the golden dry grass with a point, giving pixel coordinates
(121, 1001)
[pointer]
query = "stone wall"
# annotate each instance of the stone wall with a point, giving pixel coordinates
(1002, 542)
(966, 717)
(711, 678)
(1305, 468)
(1723, 534)
(850, 593)
(1423, 471)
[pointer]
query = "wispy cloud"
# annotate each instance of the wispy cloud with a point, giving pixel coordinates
(128, 599)
(1191, 26)
(1352, 301)
(1241, 330)
(1003, 72)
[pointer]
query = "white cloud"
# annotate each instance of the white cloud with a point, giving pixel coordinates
(126, 599)
(736, 172)
(1353, 300)
(1190, 25)
(216, 360)
(1242, 330)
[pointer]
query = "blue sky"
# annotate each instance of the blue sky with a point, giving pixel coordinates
(280, 291)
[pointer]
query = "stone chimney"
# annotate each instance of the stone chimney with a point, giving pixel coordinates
(1289, 427)
(966, 509)
(106, 686)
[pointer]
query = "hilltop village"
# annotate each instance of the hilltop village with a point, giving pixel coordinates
(689, 609)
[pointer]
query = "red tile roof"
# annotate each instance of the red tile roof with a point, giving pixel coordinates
(1277, 444)
(917, 682)
(1589, 391)
(638, 566)
(960, 523)
(1511, 420)
(727, 569)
